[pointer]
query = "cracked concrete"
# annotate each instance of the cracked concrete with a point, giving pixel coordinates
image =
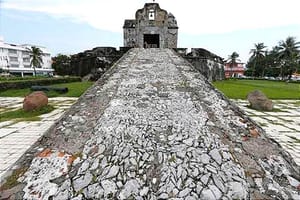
(154, 128)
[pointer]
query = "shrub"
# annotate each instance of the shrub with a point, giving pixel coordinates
(20, 84)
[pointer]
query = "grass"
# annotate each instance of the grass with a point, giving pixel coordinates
(12, 180)
(294, 138)
(76, 89)
(296, 103)
(21, 115)
(238, 89)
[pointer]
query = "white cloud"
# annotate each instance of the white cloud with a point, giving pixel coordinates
(193, 16)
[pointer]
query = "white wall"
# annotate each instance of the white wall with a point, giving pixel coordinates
(15, 58)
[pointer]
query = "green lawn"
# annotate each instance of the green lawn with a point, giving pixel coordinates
(76, 89)
(238, 89)
(22, 115)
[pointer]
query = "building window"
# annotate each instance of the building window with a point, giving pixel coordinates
(26, 60)
(13, 59)
(27, 66)
(14, 65)
(12, 51)
(25, 54)
(151, 14)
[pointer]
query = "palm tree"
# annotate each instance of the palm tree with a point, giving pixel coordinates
(257, 54)
(35, 58)
(289, 54)
(232, 61)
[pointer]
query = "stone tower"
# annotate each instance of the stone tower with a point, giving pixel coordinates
(152, 27)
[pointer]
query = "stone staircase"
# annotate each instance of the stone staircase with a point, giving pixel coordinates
(153, 128)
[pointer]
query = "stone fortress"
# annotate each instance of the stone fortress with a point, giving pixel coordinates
(152, 127)
(152, 27)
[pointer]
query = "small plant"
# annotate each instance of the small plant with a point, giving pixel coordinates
(78, 154)
(12, 180)
(172, 159)
(184, 83)
(94, 180)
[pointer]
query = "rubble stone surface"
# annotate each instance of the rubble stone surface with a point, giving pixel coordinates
(154, 128)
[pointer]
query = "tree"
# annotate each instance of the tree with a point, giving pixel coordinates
(232, 61)
(258, 53)
(61, 64)
(271, 62)
(36, 60)
(289, 55)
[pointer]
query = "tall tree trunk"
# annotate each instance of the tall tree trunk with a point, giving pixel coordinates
(263, 72)
(253, 70)
(34, 71)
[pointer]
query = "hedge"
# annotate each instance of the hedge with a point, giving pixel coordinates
(20, 84)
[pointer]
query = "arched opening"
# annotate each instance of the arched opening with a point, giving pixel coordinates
(151, 40)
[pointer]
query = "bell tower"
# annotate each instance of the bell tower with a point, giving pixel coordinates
(152, 27)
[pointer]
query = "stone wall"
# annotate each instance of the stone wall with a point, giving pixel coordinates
(95, 62)
(209, 64)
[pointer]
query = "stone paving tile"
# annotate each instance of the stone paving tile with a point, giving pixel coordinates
(5, 124)
(284, 127)
(6, 131)
(16, 138)
(153, 128)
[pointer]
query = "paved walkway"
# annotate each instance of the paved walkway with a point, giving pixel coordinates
(17, 137)
(283, 125)
(153, 128)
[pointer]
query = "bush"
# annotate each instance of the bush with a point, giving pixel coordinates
(20, 84)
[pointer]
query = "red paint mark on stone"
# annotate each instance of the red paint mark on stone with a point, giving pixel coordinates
(71, 159)
(60, 154)
(46, 153)
(254, 133)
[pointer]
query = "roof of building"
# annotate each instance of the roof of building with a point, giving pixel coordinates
(129, 23)
(22, 47)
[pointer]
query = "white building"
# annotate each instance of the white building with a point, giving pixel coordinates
(15, 59)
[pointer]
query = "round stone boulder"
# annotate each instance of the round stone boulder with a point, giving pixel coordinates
(35, 100)
(259, 101)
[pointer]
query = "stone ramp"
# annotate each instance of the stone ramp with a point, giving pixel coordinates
(154, 128)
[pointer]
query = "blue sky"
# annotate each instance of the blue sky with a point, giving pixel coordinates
(72, 26)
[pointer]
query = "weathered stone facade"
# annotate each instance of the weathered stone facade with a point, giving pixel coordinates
(210, 65)
(95, 62)
(152, 27)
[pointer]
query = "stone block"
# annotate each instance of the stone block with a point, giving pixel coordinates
(34, 101)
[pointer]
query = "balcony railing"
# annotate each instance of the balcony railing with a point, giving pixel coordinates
(14, 62)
